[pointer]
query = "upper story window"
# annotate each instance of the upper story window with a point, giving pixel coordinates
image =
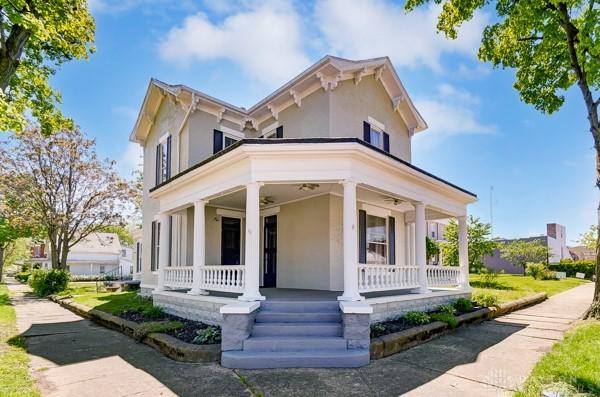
(163, 159)
(272, 131)
(224, 138)
(374, 133)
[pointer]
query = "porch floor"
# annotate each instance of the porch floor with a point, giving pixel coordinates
(294, 294)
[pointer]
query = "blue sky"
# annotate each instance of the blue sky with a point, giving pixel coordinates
(481, 135)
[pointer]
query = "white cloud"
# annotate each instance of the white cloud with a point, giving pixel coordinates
(146, 6)
(127, 112)
(371, 28)
(264, 39)
(130, 160)
(450, 112)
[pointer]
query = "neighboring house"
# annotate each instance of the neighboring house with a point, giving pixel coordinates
(435, 231)
(308, 195)
(137, 254)
(555, 239)
(97, 254)
(126, 260)
(582, 252)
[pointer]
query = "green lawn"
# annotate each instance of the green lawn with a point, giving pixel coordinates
(571, 366)
(84, 292)
(508, 287)
(14, 376)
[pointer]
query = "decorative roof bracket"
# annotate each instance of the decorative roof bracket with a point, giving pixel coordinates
(297, 97)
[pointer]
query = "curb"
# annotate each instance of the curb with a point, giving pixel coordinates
(166, 344)
(387, 345)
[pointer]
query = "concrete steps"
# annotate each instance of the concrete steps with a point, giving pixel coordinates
(296, 334)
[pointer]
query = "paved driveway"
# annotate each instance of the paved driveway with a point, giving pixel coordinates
(73, 357)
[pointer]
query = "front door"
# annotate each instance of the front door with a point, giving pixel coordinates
(230, 241)
(270, 254)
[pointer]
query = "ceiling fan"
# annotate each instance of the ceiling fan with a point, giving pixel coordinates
(266, 200)
(307, 187)
(393, 200)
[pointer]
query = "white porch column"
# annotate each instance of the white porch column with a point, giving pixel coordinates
(350, 244)
(163, 250)
(252, 260)
(463, 252)
(199, 255)
(420, 249)
(407, 244)
(412, 252)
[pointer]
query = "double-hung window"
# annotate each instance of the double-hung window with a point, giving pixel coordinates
(374, 134)
(225, 137)
(377, 240)
(163, 159)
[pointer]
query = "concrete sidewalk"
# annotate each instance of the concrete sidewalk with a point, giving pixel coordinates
(73, 357)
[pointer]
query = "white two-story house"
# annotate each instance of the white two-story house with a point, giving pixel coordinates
(308, 196)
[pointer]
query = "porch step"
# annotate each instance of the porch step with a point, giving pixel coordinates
(300, 307)
(294, 343)
(304, 359)
(295, 317)
(297, 329)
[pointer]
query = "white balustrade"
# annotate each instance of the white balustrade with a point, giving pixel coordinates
(443, 276)
(223, 278)
(387, 277)
(179, 276)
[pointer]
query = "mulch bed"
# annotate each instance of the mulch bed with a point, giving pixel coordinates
(187, 333)
(400, 324)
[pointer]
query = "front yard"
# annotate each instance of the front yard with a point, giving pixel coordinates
(509, 287)
(14, 376)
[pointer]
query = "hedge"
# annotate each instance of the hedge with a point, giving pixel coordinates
(571, 267)
(46, 282)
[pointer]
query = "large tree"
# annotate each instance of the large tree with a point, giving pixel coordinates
(36, 37)
(522, 252)
(58, 184)
(479, 243)
(552, 45)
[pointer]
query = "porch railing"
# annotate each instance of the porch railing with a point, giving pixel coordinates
(387, 277)
(443, 276)
(179, 276)
(223, 278)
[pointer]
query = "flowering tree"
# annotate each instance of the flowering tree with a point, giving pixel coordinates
(58, 184)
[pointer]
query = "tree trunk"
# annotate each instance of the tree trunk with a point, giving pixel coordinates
(1, 260)
(10, 54)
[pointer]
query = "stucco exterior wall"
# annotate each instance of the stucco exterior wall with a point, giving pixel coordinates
(351, 104)
(303, 244)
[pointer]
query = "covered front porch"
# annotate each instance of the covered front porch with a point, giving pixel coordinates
(310, 219)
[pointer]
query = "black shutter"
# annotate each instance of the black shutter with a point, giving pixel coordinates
(392, 240)
(362, 236)
(169, 157)
(217, 141)
(386, 142)
(279, 132)
(153, 247)
(157, 173)
(366, 132)
(137, 257)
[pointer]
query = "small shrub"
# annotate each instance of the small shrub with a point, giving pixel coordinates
(571, 267)
(417, 318)
(155, 327)
(485, 299)
(153, 312)
(535, 270)
(46, 282)
(22, 276)
(463, 305)
(548, 275)
(207, 336)
(445, 317)
(377, 329)
(449, 309)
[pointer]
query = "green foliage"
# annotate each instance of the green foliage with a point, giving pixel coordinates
(37, 37)
(447, 309)
(208, 335)
(22, 276)
(479, 243)
(572, 267)
(485, 299)
(125, 236)
(151, 327)
(378, 329)
(589, 238)
(463, 305)
(520, 252)
(417, 318)
(535, 270)
(489, 278)
(432, 248)
(153, 312)
(448, 318)
(98, 277)
(574, 361)
(48, 281)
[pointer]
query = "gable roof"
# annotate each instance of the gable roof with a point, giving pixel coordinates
(98, 243)
(324, 74)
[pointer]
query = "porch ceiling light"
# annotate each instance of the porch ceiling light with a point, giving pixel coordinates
(306, 187)
(393, 200)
